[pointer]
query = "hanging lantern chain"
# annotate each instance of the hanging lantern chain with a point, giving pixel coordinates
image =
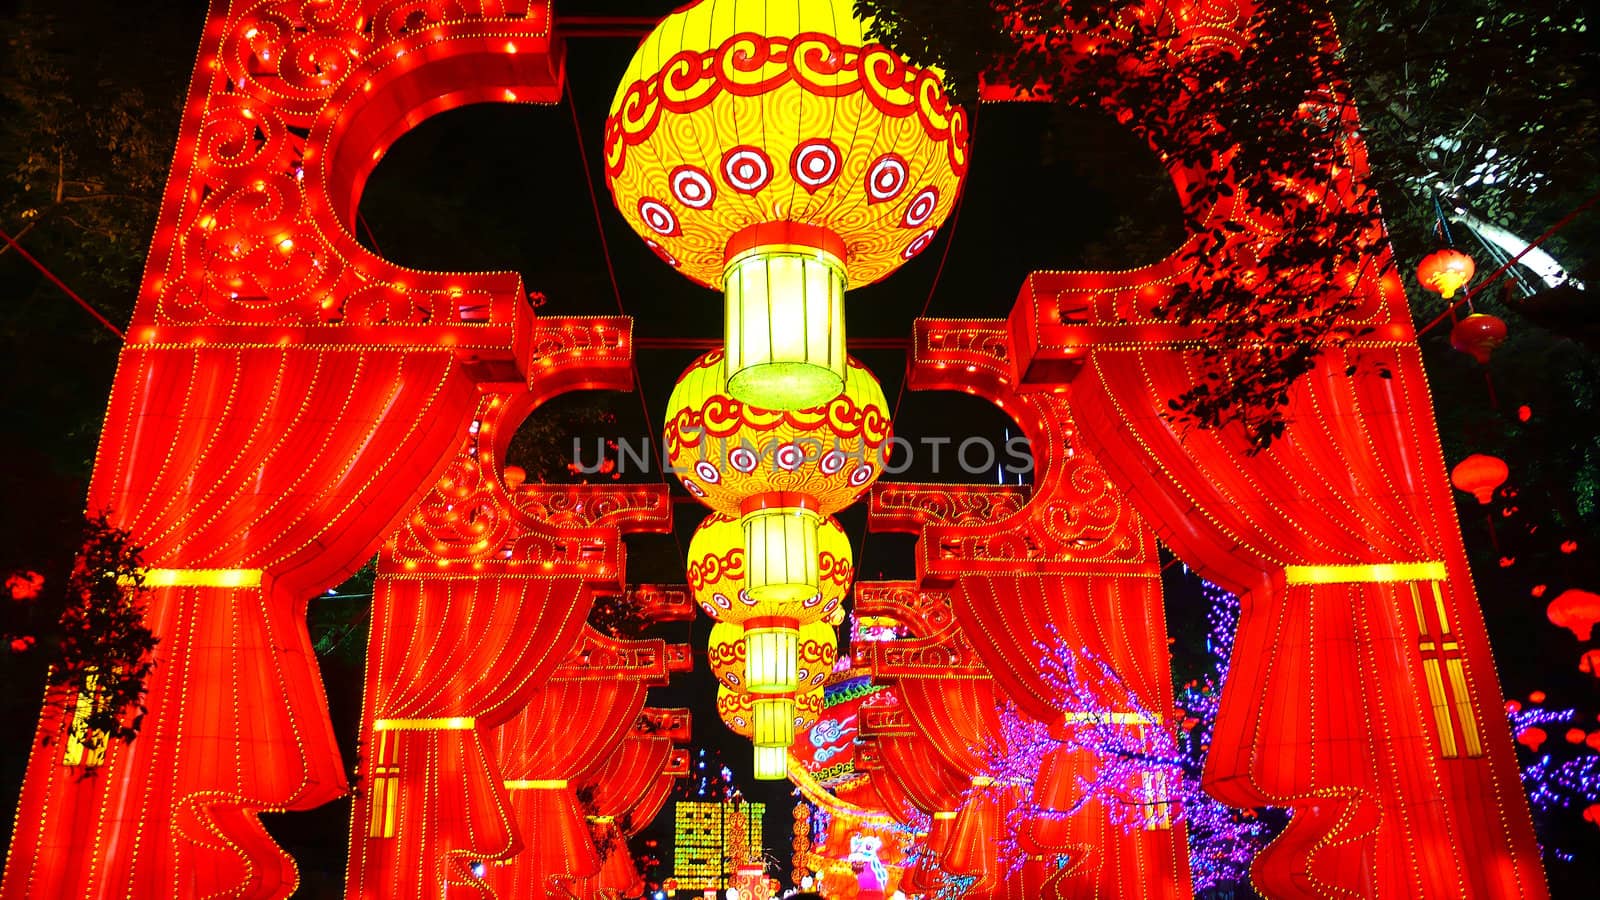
(1497, 273)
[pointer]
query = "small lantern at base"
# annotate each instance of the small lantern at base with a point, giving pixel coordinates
(1446, 271)
(1478, 336)
(772, 763)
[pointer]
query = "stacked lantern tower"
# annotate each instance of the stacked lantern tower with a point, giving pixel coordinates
(773, 152)
(768, 563)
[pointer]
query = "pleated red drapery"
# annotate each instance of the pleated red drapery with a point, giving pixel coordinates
(237, 470)
(905, 759)
(479, 599)
(619, 785)
(455, 657)
(283, 397)
(1361, 690)
(567, 731)
(1065, 564)
(1362, 696)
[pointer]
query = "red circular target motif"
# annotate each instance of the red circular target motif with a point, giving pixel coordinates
(886, 178)
(746, 169)
(662, 253)
(815, 163)
(831, 462)
(743, 460)
(660, 219)
(918, 245)
(920, 208)
(789, 457)
(692, 187)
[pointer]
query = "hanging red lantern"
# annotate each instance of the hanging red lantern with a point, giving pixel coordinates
(1445, 271)
(1576, 611)
(1480, 475)
(1478, 335)
(1590, 662)
(1532, 737)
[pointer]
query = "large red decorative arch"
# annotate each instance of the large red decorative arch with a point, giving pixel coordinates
(1362, 693)
(283, 399)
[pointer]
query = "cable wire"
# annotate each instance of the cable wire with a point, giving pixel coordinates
(62, 285)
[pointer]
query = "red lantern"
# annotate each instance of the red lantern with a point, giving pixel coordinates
(1479, 475)
(1575, 610)
(1533, 738)
(1445, 271)
(1590, 662)
(1478, 335)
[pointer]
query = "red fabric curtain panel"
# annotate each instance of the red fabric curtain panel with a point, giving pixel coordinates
(253, 477)
(450, 659)
(1062, 574)
(1361, 692)
(562, 739)
(619, 783)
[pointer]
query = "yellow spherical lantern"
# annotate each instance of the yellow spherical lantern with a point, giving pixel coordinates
(772, 151)
(814, 652)
(716, 575)
(739, 712)
(779, 471)
(736, 456)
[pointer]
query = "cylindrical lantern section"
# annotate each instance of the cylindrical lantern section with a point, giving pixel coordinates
(780, 545)
(772, 655)
(818, 651)
(772, 721)
(784, 318)
(772, 763)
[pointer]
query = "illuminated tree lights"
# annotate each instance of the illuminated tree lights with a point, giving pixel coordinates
(1141, 770)
(1561, 772)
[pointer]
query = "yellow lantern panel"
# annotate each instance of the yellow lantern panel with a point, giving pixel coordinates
(780, 545)
(738, 112)
(784, 334)
(772, 721)
(771, 656)
(716, 574)
(816, 653)
(726, 452)
(771, 763)
(737, 711)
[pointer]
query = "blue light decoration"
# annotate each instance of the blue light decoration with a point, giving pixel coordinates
(1222, 839)
(1561, 775)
